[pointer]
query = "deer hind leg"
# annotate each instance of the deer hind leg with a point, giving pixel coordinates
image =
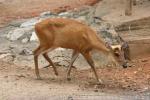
(75, 54)
(88, 58)
(45, 55)
(37, 52)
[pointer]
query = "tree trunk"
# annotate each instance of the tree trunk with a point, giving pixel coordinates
(128, 9)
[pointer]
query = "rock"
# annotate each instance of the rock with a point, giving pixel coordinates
(104, 26)
(26, 52)
(8, 57)
(61, 56)
(30, 23)
(65, 14)
(33, 37)
(4, 55)
(15, 34)
(45, 14)
(107, 32)
(18, 33)
(25, 40)
(81, 19)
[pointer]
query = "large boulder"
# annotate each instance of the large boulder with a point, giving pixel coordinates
(18, 33)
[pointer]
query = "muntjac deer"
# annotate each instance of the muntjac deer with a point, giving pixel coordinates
(67, 33)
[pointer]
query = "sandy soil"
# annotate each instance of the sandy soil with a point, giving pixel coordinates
(19, 82)
(115, 13)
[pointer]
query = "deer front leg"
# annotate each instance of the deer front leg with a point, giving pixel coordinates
(37, 52)
(50, 63)
(88, 58)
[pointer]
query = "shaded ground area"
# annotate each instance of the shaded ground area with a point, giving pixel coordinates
(18, 9)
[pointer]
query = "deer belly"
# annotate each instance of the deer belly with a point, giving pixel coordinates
(70, 44)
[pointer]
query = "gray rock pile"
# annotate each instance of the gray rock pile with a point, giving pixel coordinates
(24, 33)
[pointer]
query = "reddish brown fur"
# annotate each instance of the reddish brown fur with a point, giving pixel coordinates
(67, 33)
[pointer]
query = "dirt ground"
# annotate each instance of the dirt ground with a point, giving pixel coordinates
(18, 9)
(19, 82)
